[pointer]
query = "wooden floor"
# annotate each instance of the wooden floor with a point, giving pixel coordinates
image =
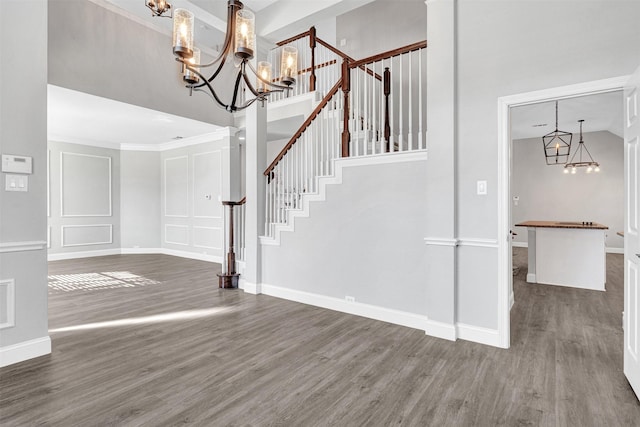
(151, 340)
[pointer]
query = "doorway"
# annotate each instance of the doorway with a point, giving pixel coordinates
(505, 110)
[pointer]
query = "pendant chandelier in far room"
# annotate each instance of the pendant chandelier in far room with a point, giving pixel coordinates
(557, 145)
(583, 162)
(237, 51)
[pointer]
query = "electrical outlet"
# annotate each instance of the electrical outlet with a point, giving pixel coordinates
(350, 299)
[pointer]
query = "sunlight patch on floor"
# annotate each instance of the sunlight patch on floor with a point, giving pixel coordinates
(96, 281)
(146, 320)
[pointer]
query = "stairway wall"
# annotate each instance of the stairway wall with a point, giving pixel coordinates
(364, 241)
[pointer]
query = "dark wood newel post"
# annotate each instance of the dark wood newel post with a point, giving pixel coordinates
(229, 279)
(346, 88)
(387, 92)
(312, 45)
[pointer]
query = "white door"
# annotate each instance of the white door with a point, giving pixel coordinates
(631, 319)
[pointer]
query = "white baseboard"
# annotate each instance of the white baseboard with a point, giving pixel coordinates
(478, 334)
(531, 278)
(24, 351)
(251, 288)
(519, 244)
(396, 317)
(440, 330)
(512, 300)
(615, 250)
(609, 250)
(82, 254)
(133, 251)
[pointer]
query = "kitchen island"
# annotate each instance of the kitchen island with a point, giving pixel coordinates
(567, 253)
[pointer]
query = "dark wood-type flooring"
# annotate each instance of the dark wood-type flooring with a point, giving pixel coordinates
(257, 360)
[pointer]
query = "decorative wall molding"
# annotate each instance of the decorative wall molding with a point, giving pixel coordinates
(202, 245)
(440, 241)
(135, 251)
(166, 239)
(478, 243)
(34, 245)
(185, 204)
(62, 186)
(8, 288)
(218, 197)
(24, 351)
(108, 241)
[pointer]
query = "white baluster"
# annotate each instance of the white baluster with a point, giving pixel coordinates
(410, 134)
(421, 142)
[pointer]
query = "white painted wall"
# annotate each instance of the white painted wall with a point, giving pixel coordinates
(84, 199)
(547, 194)
(23, 215)
(364, 241)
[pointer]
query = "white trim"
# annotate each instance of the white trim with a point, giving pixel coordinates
(478, 243)
(82, 254)
(176, 226)
(141, 251)
(440, 330)
(10, 308)
(512, 300)
(64, 245)
(611, 250)
(24, 351)
(519, 244)
(478, 334)
(34, 245)
(250, 288)
(181, 143)
(531, 278)
(440, 241)
(62, 214)
(164, 187)
(49, 228)
(193, 255)
(504, 105)
(396, 317)
(382, 159)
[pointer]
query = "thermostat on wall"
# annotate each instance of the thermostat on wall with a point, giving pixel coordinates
(16, 164)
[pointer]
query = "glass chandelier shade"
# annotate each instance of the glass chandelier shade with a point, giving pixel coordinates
(239, 47)
(263, 77)
(289, 65)
(585, 160)
(557, 145)
(183, 33)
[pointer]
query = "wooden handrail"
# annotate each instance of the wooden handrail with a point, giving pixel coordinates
(389, 54)
(294, 38)
(309, 69)
(345, 56)
(241, 202)
(304, 126)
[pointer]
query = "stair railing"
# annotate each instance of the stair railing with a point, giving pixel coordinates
(385, 114)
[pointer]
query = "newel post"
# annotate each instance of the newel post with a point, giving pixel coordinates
(312, 45)
(346, 88)
(229, 278)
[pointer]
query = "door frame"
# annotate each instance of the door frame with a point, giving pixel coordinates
(505, 103)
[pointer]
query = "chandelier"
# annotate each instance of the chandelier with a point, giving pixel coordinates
(159, 7)
(557, 145)
(237, 51)
(588, 161)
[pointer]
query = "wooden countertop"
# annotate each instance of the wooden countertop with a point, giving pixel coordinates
(562, 224)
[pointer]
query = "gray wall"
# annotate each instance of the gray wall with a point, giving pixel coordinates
(381, 26)
(505, 48)
(364, 241)
(96, 51)
(140, 199)
(23, 131)
(84, 198)
(547, 194)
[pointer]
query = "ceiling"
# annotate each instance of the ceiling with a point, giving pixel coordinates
(599, 112)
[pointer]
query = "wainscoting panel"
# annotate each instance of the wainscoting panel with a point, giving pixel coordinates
(7, 303)
(176, 234)
(207, 237)
(176, 187)
(207, 183)
(76, 197)
(87, 235)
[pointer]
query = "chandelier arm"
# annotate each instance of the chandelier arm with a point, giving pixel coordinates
(247, 104)
(236, 87)
(266, 81)
(206, 83)
(249, 85)
(231, 29)
(588, 153)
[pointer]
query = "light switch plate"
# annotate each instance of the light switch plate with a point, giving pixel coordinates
(16, 183)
